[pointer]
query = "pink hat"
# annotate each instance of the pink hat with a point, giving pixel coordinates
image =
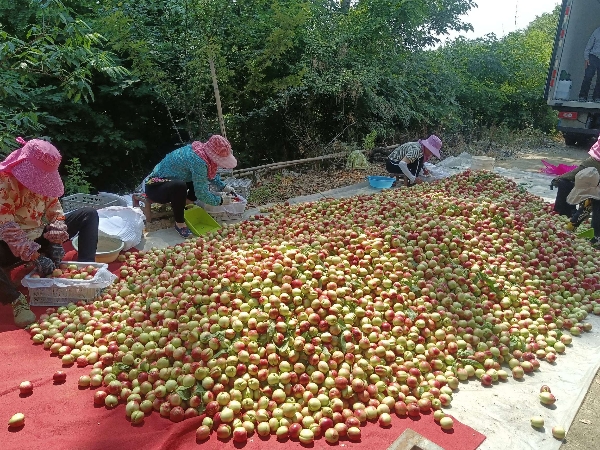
(433, 144)
(35, 166)
(218, 150)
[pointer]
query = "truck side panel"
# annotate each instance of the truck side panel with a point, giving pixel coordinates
(578, 120)
(579, 19)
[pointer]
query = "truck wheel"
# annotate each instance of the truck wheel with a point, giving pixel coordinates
(570, 139)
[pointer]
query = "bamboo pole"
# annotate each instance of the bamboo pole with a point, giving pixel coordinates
(213, 73)
(283, 164)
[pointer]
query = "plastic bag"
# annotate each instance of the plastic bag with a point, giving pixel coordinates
(122, 222)
(551, 169)
(435, 172)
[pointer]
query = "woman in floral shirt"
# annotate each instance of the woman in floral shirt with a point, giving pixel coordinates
(183, 176)
(32, 224)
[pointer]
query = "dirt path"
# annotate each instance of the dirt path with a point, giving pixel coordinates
(530, 160)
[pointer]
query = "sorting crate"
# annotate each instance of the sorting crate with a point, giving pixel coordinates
(240, 185)
(76, 201)
(61, 296)
(233, 211)
(40, 294)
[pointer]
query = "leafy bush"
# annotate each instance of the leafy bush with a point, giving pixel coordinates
(76, 181)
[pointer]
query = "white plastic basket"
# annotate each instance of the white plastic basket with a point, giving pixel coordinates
(62, 291)
(241, 186)
(76, 201)
(483, 163)
(226, 212)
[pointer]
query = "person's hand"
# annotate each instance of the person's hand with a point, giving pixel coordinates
(44, 266)
(56, 253)
(587, 63)
(425, 172)
(418, 181)
(407, 173)
(56, 232)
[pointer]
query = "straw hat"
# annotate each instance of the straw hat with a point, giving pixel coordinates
(433, 144)
(586, 186)
(35, 166)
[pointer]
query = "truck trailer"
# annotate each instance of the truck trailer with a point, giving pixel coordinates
(578, 118)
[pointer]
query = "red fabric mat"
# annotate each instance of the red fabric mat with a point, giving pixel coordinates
(64, 417)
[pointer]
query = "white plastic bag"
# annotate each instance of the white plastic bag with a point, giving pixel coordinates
(435, 172)
(122, 222)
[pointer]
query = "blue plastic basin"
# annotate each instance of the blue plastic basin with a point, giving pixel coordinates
(381, 182)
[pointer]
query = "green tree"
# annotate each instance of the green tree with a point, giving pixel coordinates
(52, 59)
(501, 81)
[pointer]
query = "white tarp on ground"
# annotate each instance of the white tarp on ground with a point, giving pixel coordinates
(536, 183)
(502, 412)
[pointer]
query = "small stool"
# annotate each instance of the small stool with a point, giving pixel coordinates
(141, 200)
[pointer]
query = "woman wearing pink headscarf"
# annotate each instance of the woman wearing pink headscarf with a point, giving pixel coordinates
(184, 175)
(32, 223)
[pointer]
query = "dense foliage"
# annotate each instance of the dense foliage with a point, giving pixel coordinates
(117, 84)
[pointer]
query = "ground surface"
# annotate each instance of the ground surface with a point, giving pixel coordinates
(299, 181)
(584, 433)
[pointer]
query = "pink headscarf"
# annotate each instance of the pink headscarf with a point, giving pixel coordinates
(35, 166)
(216, 152)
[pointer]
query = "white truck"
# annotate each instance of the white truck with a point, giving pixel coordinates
(578, 118)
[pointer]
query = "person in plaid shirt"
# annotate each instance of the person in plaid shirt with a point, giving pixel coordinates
(408, 158)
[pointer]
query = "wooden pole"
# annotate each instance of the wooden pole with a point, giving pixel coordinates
(283, 164)
(217, 96)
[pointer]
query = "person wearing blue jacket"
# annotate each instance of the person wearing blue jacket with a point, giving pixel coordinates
(184, 176)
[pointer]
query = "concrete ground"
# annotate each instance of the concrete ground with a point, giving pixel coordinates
(584, 432)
